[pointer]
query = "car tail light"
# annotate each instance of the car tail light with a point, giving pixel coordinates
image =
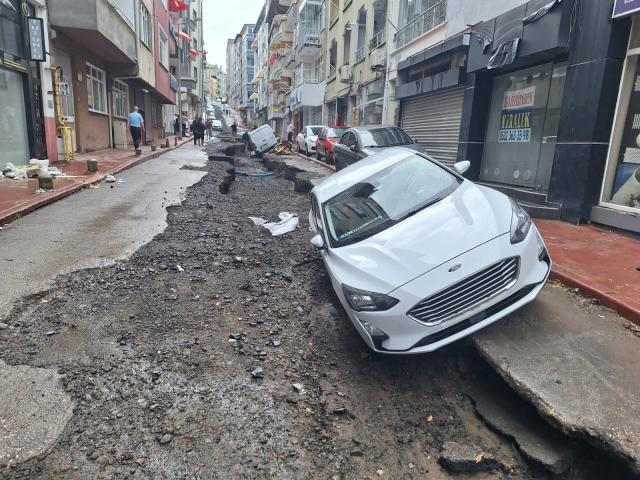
(254, 146)
(275, 134)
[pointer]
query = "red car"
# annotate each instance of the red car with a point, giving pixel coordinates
(326, 138)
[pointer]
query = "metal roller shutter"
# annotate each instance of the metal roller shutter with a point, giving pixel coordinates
(433, 120)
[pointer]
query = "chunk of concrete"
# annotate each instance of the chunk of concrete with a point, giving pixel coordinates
(34, 411)
(459, 458)
(504, 411)
(578, 366)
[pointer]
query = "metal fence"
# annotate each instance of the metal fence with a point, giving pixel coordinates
(426, 21)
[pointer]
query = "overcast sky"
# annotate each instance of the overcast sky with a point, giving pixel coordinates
(223, 19)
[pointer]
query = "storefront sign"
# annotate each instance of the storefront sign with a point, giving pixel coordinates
(36, 39)
(517, 114)
(295, 96)
(625, 7)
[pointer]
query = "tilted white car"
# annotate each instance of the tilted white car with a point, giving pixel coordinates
(306, 139)
(418, 255)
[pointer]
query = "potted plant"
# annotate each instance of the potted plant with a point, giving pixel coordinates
(372, 44)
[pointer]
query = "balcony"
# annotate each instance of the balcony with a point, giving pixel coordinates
(281, 75)
(378, 40)
(359, 56)
(289, 57)
(420, 25)
(99, 25)
(309, 41)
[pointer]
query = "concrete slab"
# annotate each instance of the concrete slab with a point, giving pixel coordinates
(459, 458)
(34, 411)
(502, 409)
(576, 363)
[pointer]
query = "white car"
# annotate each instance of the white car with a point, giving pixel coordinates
(307, 139)
(418, 255)
(262, 139)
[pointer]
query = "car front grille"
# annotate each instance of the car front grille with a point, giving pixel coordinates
(467, 293)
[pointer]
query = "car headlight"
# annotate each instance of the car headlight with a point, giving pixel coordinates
(520, 223)
(363, 301)
(542, 250)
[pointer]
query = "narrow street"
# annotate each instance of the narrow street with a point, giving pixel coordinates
(179, 348)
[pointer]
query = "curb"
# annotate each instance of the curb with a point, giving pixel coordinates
(70, 189)
(325, 165)
(606, 296)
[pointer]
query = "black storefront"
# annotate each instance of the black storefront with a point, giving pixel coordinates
(22, 132)
(540, 94)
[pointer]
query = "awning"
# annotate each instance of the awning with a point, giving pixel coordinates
(255, 81)
(254, 96)
(193, 52)
(178, 5)
(260, 74)
(181, 34)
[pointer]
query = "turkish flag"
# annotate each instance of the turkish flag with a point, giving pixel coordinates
(177, 5)
(181, 34)
(193, 52)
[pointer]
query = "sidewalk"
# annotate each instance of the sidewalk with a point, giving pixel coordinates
(601, 264)
(17, 197)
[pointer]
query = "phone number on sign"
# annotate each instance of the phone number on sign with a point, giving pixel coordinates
(516, 135)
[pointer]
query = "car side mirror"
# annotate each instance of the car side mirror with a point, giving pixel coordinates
(318, 242)
(353, 148)
(462, 167)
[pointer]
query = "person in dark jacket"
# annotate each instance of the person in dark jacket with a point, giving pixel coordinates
(234, 128)
(247, 141)
(198, 132)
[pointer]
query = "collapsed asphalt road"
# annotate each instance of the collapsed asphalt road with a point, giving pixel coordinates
(217, 351)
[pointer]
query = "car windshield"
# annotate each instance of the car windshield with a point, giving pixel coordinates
(386, 198)
(384, 137)
(335, 132)
(314, 130)
(217, 122)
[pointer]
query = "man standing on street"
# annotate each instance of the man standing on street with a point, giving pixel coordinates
(234, 128)
(135, 123)
(184, 125)
(198, 132)
(290, 129)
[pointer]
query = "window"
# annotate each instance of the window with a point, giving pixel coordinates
(163, 48)
(120, 99)
(334, 10)
(145, 25)
(346, 51)
(333, 59)
(320, 69)
(195, 73)
(96, 90)
(303, 73)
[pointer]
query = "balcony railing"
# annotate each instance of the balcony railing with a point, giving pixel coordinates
(359, 55)
(309, 37)
(378, 39)
(426, 21)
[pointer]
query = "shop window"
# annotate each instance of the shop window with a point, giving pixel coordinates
(13, 125)
(523, 124)
(163, 48)
(120, 99)
(145, 25)
(621, 188)
(96, 90)
(370, 103)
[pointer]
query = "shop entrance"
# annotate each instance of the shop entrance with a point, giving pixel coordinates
(523, 126)
(67, 111)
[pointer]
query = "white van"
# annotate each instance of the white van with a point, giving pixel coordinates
(217, 125)
(263, 139)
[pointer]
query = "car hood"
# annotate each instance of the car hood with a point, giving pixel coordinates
(469, 217)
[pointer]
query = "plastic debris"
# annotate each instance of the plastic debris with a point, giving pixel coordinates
(16, 173)
(94, 186)
(179, 268)
(258, 220)
(110, 179)
(288, 223)
(299, 388)
(35, 161)
(121, 180)
(40, 191)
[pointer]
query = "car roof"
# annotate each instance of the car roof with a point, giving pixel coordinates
(359, 171)
(365, 128)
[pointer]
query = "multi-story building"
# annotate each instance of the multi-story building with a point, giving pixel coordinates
(228, 87)
(110, 56)
(188, 64)
(241, 65)
(306, 56)
(217, 81)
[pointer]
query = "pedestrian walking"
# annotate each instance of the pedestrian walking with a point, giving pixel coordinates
(234, 128)
(247, 141)
(209, 126)
(135, 124)
(184, 125)
(290, 129)
(176, 124)
(191, 125)
(198, 131)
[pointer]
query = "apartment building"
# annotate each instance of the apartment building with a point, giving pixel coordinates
(355, 65)
(217, 81)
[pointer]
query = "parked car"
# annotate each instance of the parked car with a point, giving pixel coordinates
(217, 125)
(262, 139)
(360, 142)
(418, 255)
(307, 139)
(326, 138)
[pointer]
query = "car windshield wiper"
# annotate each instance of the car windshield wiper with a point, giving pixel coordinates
(428, 204)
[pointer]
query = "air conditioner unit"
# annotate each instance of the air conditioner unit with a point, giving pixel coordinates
(346, 74)
(378, 59)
